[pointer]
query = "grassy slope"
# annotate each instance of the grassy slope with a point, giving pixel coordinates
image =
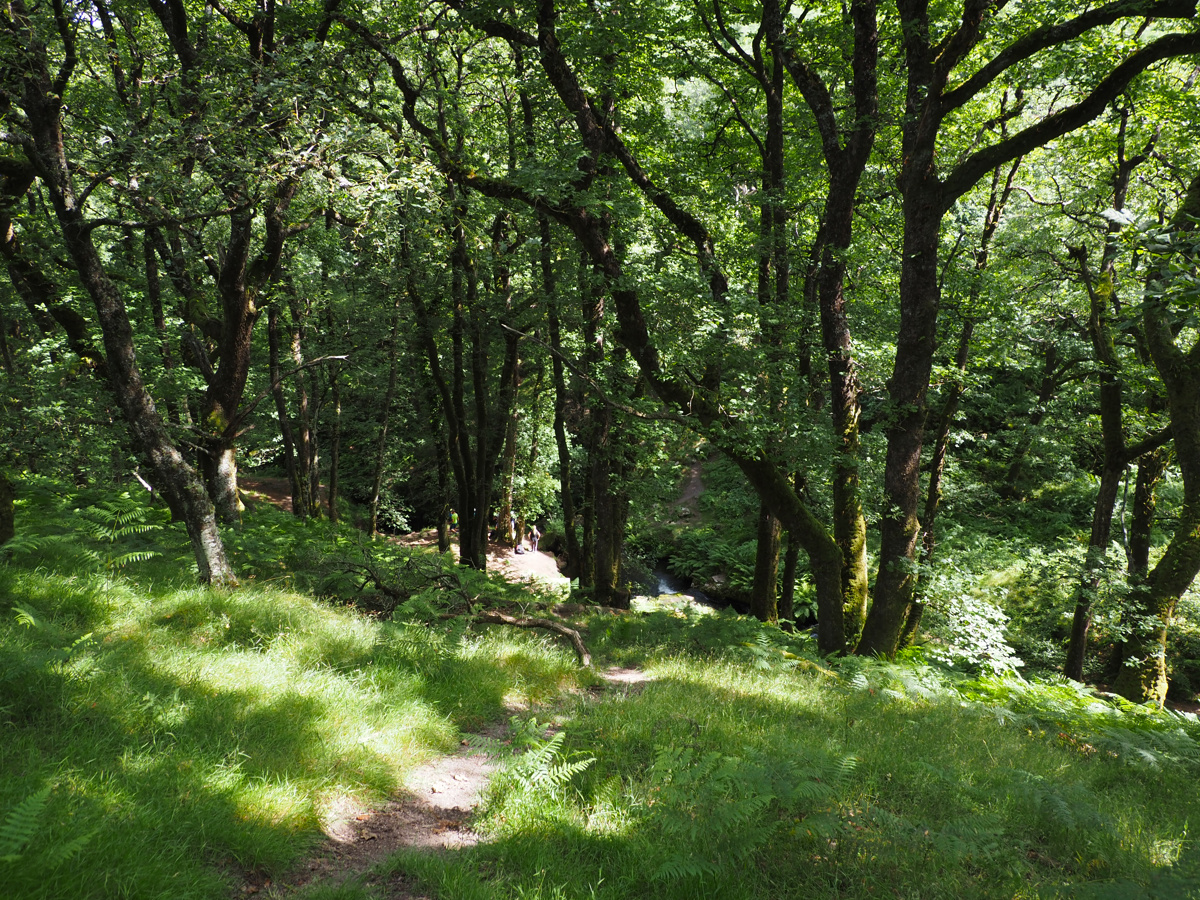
(198, 733)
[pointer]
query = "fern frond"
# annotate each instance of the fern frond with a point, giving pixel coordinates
(27, 543)
(62, 853)
(26, 616)
(845, 770)
(679, 868)
(136, 556)
(20, 825)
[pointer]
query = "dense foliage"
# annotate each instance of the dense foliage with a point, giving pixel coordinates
(168, 738)
(875, 322)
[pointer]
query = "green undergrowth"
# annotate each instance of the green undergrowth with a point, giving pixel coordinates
(755, 771)
(161, 739)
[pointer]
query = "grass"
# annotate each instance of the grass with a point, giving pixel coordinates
(187, 735)
(718, 780)
(161, 739)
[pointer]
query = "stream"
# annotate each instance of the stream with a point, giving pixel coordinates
(673, 585)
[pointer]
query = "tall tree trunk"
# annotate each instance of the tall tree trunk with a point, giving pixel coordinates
(787, 587)
(335, 443)
(937, 467)
(763, 597)
(6, 358)
(846, 150)
(281, 412)
(774, 304)
(443, 483)
(1151, 468)
(611, 506)
(238, 284)
(574, 563)
(381, 442)
(594, 415)
(1096, 559)
(908, 387)
(473, 464)
(8, 527)
(997, 200)
(1144, 675)
(181, 488)
(1103, 303)
(307, 459)
(505, 514)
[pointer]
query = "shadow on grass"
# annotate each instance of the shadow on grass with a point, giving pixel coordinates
(719, 782)
(198, 737)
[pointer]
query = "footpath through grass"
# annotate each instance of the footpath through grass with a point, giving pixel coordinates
(158, 740)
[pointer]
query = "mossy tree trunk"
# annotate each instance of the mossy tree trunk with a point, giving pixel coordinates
(45, 145)
(574, 562)
(1144, 675)
(763, 597)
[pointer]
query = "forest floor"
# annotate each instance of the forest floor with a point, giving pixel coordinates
(434, 810)
(519, 568)
(432, 813)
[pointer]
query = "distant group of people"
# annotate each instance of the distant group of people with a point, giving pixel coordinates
(532, 533)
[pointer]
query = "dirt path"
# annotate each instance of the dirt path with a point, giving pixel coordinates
(434, 810)
(432, 813)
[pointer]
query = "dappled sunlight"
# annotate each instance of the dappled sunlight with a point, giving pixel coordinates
(238, 720)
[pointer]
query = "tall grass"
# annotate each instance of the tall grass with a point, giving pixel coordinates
(159, 739)
(179, 736)
(724, 778)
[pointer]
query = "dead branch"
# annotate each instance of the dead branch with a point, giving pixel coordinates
(495, 617)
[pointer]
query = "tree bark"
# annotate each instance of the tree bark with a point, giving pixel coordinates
(8, 527)
(181, 487)
(787, 589)
(1144, 675)
(1103, 303)
(574, 562)
(1151, 468)
(281, 412)
(335, 444)
(386, 412)
(763, 596)
(473, 463)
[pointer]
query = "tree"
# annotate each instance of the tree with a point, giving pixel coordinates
(8, 526)
(1170, 287)
(931, 103)
(29, 86)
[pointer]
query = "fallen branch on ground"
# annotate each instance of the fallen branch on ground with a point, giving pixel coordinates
(462, 602)
(495, 617)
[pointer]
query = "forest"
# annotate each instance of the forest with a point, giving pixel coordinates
(840, 362)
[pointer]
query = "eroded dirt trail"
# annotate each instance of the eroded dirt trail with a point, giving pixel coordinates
(432, 813)
(436, 807)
